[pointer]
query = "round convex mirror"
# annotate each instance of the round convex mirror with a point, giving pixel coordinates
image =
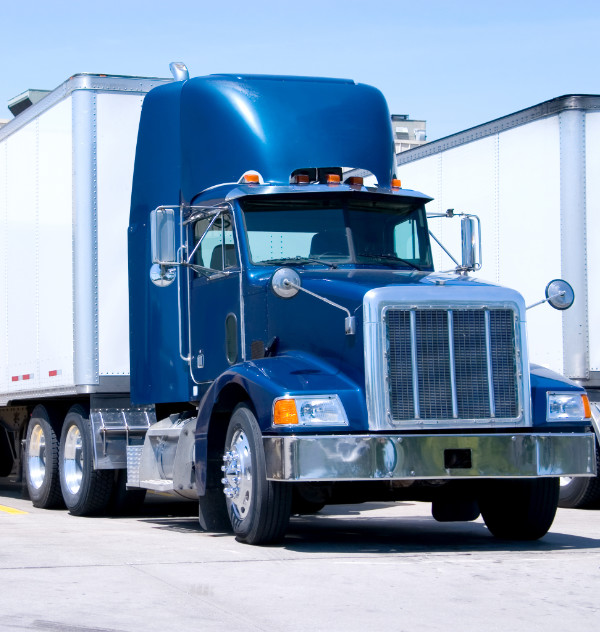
(162, 276)
(285, 282)
(560, 294)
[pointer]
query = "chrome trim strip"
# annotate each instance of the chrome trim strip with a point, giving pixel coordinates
(85, 251)
(488, 358)
(422, 457)
(414, 362)
(451, 359)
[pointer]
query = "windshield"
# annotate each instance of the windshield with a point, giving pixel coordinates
(337, 231)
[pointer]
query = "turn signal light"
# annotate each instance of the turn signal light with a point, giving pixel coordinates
(396, 184)
(285, 412)
(587, 411)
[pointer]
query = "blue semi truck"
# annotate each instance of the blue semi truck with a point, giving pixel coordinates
(272, 337)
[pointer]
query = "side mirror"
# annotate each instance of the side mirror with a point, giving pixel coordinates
(560, 294)
(285, 282)
(162, 236)
(470, 231)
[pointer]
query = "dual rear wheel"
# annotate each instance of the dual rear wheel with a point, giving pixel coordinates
(59, 466)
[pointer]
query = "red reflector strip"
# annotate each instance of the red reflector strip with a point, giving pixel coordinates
(19, 378)
(54, 373)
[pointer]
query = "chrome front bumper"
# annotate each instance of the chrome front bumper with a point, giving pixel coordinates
(415, 457)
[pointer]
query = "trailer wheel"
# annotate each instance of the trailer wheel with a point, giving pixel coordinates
(41, 460)
(259, 510)
(85, 491)
(521, 509)
(581, 492)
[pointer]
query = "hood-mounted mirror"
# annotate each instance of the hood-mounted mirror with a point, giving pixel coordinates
(560, 294)
(285, 283)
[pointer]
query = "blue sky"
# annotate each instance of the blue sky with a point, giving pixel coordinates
(454, 64)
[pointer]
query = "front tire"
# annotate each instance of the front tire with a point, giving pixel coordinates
(86, 491)
(522, 509)
(258, 509)
(581, 493)
(41, 460)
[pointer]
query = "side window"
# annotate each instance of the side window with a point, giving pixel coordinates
(406, 240)
(217, 250)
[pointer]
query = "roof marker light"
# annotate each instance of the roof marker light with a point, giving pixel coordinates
(333, 178)
(301, 178)
(354, 181)
(251, 177)
(396, 184)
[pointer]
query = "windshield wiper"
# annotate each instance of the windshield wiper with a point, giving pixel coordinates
(390, 258)
(299, 261)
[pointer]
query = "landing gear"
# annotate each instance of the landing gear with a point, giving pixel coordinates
(258, 509)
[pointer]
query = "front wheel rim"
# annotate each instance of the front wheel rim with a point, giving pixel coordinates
(73, 460)
(36, 461)
(237, 480)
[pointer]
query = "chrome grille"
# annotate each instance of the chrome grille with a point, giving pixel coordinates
(451, 364)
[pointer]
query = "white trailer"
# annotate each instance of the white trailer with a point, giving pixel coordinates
(531, 177)
(66, 166)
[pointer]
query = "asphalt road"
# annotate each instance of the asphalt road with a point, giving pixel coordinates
(369, 567)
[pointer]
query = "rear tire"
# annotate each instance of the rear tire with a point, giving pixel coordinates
(259, 510)
(86, 491)
(522, 509)
(41, 460)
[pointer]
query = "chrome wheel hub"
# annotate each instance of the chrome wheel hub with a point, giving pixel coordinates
(237, 470)
(36, 457)
(73, 460)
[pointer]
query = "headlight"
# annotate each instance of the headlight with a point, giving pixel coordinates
(324, 410)
(568, 407)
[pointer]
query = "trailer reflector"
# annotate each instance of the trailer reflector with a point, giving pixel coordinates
(54, 373)
(20, 378)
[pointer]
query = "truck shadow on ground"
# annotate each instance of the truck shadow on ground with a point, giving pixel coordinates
(352, 530)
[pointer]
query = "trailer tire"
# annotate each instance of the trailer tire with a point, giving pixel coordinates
(41, 460)
(259, 509)
(521, 509)
(86, 491)
(581, 492)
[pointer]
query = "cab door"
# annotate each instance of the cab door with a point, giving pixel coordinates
(214, 315)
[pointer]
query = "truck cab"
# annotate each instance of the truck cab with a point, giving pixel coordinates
(299, 311)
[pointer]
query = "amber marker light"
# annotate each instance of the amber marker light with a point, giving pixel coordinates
(333, 178)
(354, 181)
(252, 178)
(587, 411)
(396, 184)
(285, 412)
(301, 178)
